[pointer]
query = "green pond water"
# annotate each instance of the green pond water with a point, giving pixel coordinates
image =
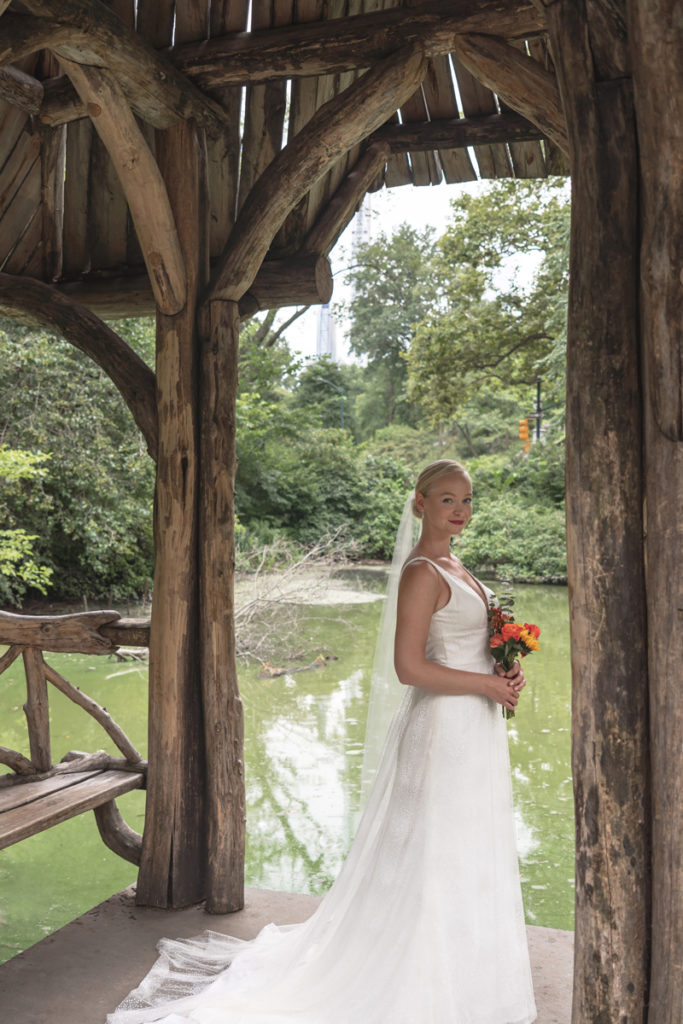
(303, 745)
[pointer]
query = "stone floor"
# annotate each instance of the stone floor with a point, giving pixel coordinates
(80, 973)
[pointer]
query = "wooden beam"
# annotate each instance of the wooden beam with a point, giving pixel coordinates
(89, 32)
(656, 49)
(524, 85)
(223, 712)
(336, 45)
(78, 633)
(141, 182)
(21, 89)
(301, 280)
(36, 303)
(61, 103)
(605, 488)
(127, 632)
(345, 201)
(174, 843)
(21, 35)
(457, 132)
(321, 47)
(335, 127)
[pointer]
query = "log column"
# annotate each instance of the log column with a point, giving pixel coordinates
(172, 869)
(610, 750)
(222, 702)
(657, 55)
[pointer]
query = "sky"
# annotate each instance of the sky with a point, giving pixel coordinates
(419, 207)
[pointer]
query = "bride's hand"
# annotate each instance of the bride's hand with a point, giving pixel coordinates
(502, 691)
(514, 675)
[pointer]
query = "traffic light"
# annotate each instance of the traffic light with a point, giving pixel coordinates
(524, 430)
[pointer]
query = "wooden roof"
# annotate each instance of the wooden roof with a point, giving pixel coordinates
(253, 73)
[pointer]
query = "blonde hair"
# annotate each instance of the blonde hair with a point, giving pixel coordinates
(433, 472)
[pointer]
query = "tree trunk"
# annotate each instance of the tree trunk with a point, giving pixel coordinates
(604, 536)
(172, 868)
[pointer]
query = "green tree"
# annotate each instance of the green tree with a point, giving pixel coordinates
(392, 293)
(19, 569)
(490, 330)
(92, 513)
(328, 392)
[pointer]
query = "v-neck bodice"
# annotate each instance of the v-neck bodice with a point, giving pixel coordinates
(458, 632)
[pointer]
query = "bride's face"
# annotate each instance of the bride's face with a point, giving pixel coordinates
(447, 507)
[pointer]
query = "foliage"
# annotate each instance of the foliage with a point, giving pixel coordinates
(19, 569)
(487, 326)
(450, 337)
(328, 392)
(392, 292)
(91, 514)
(264, 370)
(513, 539)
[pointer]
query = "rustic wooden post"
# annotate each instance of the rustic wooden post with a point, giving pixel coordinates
(605, 525)
(173, 855)
(37, 710)
(222, 702)
(657, 55)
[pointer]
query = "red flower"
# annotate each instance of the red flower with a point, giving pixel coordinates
(511, 631)
(534, 630)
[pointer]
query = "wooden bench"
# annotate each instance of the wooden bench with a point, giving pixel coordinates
(30, 806)
(36, 794)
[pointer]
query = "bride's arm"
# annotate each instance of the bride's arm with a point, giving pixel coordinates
(418, 597)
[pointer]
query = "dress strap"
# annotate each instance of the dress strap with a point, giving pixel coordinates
(423, 558)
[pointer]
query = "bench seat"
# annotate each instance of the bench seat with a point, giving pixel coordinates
(31, 806)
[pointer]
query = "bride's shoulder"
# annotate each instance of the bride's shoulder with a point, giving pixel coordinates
(418, 570)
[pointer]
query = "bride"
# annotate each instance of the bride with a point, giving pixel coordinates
(424, 924)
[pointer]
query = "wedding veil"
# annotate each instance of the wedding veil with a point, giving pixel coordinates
(386, 691)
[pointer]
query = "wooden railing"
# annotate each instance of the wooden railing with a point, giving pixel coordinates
(38, 794)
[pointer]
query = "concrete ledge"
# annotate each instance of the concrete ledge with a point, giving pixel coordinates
(80, 973)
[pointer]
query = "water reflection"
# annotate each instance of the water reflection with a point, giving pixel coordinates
(303, 745)
(304, 741)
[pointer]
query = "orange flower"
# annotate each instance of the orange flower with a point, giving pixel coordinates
(497, 640)
(534, 630)
(511, 631)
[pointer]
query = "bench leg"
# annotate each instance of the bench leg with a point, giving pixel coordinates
(116, 834)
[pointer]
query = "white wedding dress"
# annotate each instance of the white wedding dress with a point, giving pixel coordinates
(424, 924)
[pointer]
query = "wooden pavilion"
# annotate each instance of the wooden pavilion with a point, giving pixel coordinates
(199, 158)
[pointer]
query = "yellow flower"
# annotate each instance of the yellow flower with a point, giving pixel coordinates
(529, 640)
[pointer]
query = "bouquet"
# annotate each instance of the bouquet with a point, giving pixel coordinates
(510, 640)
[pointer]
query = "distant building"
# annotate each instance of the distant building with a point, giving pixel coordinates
(326, 343)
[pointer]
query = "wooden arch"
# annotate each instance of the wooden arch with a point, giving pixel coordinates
(199, 158)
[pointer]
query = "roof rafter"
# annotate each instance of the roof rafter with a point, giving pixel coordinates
(335, 127)
(517, 79)
(349, 44)
(23, 90)
(89, 32)
(317, 48)
(457, 133)
(141, 181)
